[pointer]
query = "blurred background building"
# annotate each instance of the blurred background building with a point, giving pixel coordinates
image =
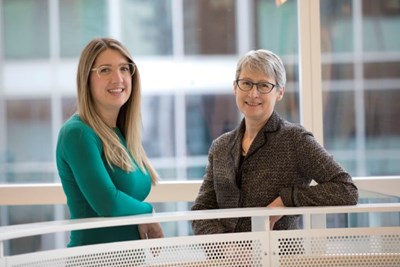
(186, 51)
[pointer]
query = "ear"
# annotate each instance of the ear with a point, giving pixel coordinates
(234, 87)
(281, 92)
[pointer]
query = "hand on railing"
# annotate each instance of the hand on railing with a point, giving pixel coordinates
(150, 230)
(277, 203)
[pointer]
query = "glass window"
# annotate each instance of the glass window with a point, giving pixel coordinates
(147, 26)
(207, 117)
(276, 26)
(382, 134)
(29, 153)
(361, 85)
(336, 24)
(380, 20)
(276, 29)
(29, 130)
(158, 125)
(12, 215)
(21, 35)
(209, 27)
(80, 21)
(337, 71)
(68, 108)
(339, 133)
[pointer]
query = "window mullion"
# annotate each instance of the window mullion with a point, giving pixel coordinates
(310, 67)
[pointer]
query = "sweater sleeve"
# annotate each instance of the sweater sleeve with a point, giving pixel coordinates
(81, 149)
(334, 186)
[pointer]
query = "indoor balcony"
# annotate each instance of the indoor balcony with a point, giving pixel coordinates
(315, 244)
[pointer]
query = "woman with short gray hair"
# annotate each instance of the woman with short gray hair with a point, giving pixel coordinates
(267, 161)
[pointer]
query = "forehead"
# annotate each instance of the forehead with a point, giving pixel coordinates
(248, 72)
(110, 57)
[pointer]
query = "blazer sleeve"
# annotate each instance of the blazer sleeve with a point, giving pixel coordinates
(206, 199)
(334, 185)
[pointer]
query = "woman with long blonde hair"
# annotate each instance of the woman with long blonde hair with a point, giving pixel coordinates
(103, 167)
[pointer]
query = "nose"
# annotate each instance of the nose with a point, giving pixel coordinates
(254, 91)
(116, 76)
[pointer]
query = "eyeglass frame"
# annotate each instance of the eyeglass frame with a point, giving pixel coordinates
(131, 64)
(256, 84)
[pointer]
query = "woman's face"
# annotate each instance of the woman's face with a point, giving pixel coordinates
(256, 107)
(110, 91)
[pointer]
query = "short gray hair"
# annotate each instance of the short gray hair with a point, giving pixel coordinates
(265, 61)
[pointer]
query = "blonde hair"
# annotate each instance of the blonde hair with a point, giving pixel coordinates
(129, 118)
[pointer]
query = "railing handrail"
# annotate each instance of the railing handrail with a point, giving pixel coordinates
(165, 191)
(31, 229)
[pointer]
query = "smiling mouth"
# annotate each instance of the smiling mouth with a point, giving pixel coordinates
(252, 104)
(116, 91)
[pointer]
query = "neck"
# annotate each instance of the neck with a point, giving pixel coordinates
(110, 119)
(248, 137)
(254, 126)
(252, 130)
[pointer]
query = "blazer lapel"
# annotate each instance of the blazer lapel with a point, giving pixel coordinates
(272, 125)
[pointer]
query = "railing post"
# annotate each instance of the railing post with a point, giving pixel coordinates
(1, 249)
(261, 224)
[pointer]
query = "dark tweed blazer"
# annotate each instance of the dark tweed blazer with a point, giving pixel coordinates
(282, 161)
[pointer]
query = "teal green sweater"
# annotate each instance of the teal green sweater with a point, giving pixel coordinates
(93, 189)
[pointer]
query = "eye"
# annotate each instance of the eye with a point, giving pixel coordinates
(104, 70)
(265, 86)
(125, 68)
(246, 83)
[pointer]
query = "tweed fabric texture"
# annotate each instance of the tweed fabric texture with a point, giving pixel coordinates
(282, 161)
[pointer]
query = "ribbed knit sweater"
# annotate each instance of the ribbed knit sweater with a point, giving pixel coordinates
(94, 189)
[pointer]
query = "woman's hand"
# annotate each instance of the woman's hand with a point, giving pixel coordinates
(150, 230)
(277, 203)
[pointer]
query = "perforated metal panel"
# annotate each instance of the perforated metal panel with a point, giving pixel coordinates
(336, 247)
(246, 249)
(317, 247)
(360, 260)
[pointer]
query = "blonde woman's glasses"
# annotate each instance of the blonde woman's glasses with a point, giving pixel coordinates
(105, 71)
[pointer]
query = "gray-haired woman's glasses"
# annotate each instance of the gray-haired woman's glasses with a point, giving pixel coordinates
(262, 87)
(105, 71)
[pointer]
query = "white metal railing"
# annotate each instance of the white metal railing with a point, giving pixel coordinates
(166, 191)
(367, 246)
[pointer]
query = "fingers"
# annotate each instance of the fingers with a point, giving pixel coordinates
(143, 231)
(273, 220)
(151, 230)
(155, 231)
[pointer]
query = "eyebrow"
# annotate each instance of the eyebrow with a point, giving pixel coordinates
(125, 63)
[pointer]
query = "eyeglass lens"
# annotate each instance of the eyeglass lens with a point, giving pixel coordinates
(125, 70)
(262, 87)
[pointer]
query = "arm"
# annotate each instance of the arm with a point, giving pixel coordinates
(277, 203)
(334, 184)
(206, 199)
(82, 150)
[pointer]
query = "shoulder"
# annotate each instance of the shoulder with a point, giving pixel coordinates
(293, 127)
(75, 124)
(74, 129)
(295, 130)
(224, 141)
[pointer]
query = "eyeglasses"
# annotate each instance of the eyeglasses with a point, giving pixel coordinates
(262, 87)
(105, 71)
